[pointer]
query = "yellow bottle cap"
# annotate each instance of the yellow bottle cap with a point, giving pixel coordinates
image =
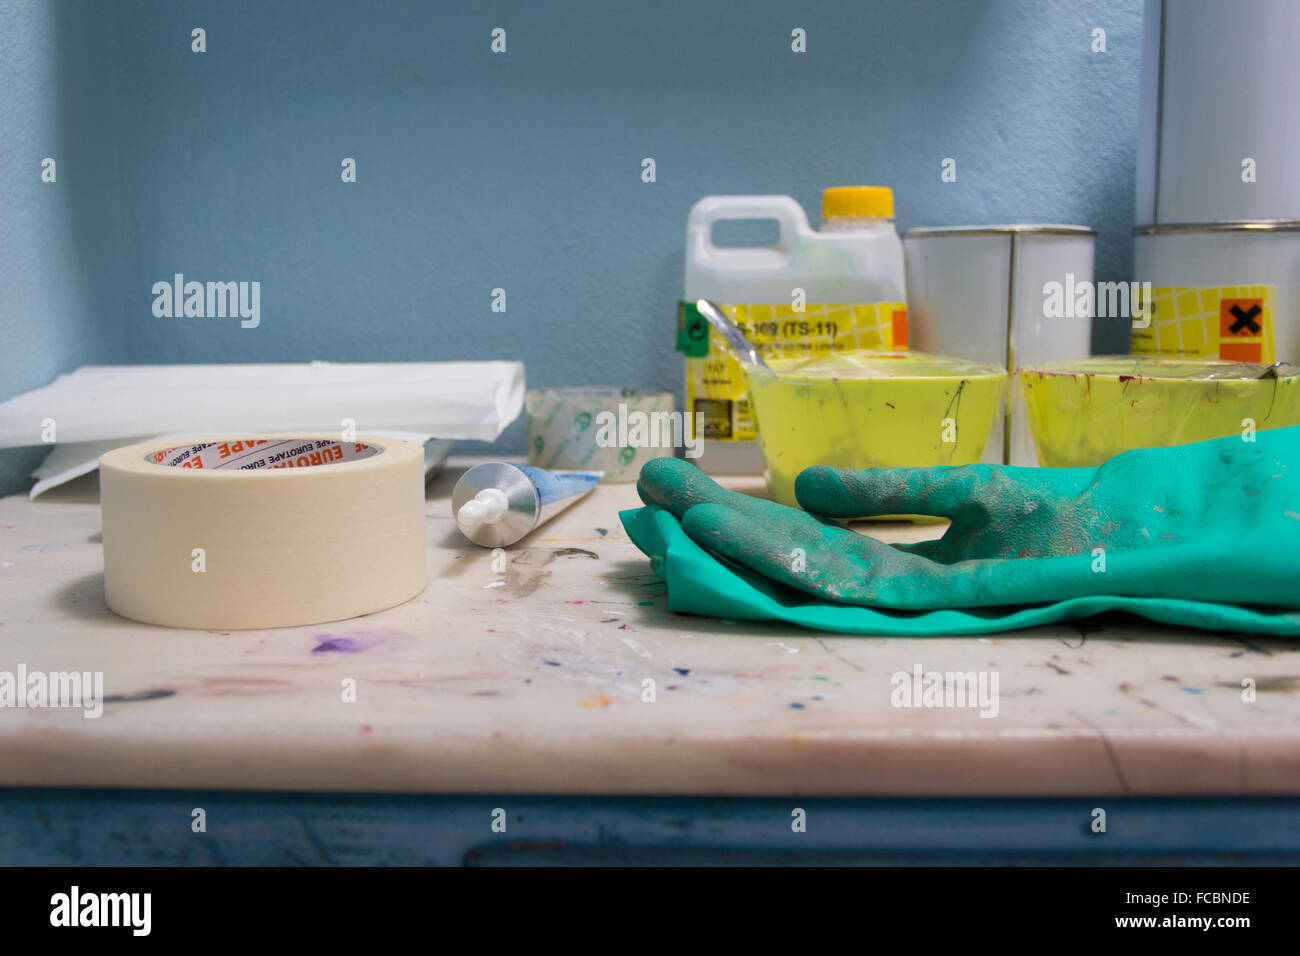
(858, 201)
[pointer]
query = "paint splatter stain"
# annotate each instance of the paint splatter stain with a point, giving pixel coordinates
(682, 670)
(602, 531)
(1282, 684)
(330, 644)
(797, 706)
(551, 663)
(595, 700)
(157, 693)
(576, 553)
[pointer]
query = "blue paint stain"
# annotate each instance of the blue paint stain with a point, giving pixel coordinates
(796, 706)
(682, 670)
(1190, 690)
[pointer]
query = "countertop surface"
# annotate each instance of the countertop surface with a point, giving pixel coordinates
(559, 669)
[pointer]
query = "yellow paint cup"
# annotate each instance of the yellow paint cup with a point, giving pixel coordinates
(1086, 411)
(869, 409)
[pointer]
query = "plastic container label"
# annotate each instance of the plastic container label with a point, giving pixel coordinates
(715, 384)
(1231, 322)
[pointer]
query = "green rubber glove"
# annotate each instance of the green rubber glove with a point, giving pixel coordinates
(1215, 521)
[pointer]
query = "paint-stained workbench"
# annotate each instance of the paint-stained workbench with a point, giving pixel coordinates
(532, 681)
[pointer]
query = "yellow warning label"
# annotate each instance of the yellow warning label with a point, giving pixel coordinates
(1232, 322)
(715, 384)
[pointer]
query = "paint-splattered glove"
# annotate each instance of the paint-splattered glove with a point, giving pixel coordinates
(1217, 521)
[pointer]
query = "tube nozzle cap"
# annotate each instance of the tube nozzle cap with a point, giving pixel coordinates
(484, 508)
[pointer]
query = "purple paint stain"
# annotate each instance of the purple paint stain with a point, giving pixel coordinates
(329, 643)
(344, 645)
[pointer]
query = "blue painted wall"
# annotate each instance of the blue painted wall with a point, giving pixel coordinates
(519, 170)
(60, 274)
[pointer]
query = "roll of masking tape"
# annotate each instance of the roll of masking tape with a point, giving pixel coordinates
(597, 428)
(268, 531)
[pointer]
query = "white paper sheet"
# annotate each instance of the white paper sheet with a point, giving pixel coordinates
(65, 462)
(455, 400)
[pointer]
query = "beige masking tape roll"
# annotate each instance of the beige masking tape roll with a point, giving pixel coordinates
(262, 531)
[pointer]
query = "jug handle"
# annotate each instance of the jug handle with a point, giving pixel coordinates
(789, 215)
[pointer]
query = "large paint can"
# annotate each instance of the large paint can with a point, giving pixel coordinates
(1220, 290)
(1002, 295)
(1219, 130)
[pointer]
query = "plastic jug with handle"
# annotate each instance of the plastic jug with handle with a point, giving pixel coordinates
(813, 291)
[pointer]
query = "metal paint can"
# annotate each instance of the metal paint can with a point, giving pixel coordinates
(1218, 137)
(1227, 290)
(981, 293)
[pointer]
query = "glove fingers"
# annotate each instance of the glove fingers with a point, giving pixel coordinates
(678, 486)
(926, 549)
(828, 561)
(944, 492)
(835, 564)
